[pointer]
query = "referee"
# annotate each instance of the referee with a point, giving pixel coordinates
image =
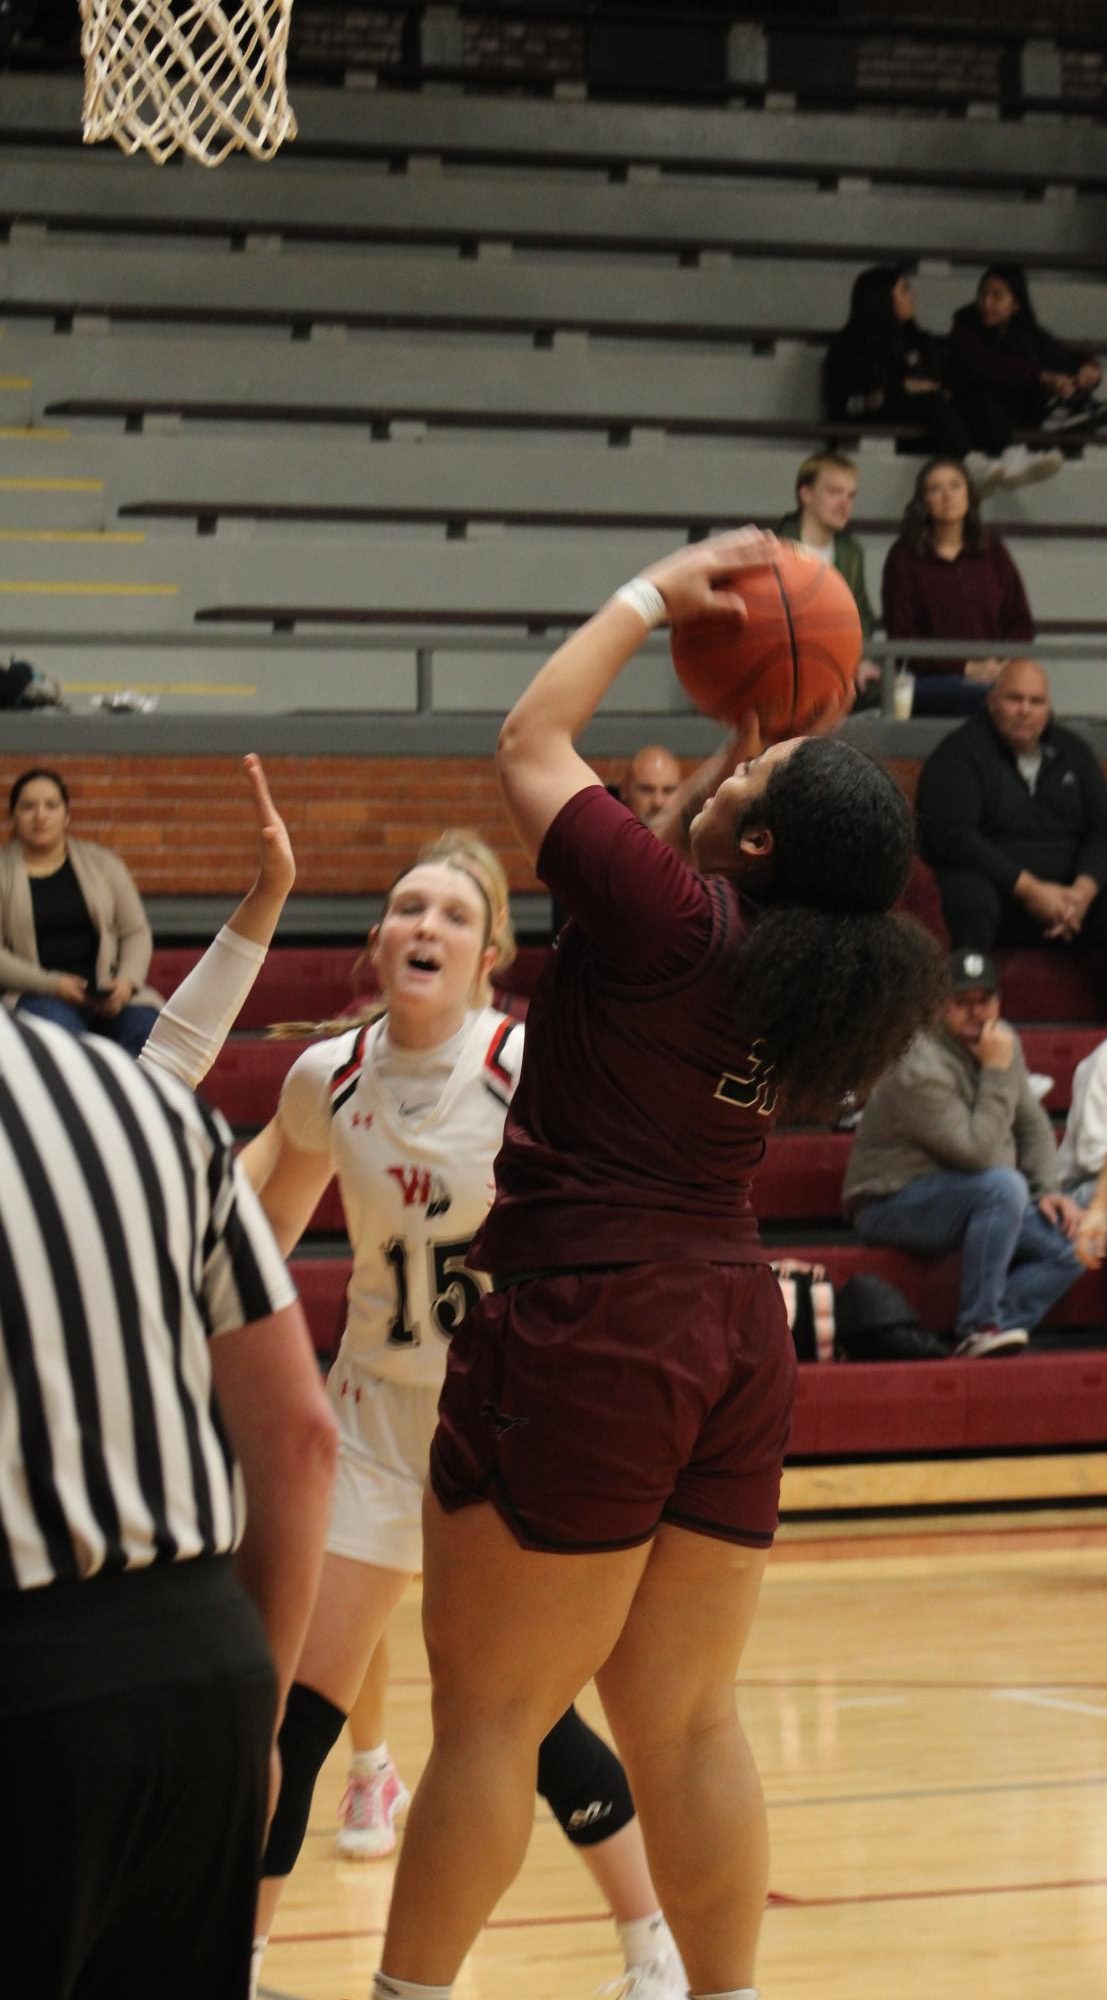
(150, 1337)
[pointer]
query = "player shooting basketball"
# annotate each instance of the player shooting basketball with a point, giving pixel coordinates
(607, 1463)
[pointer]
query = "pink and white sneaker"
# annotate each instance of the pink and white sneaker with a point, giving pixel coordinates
(367, 1828)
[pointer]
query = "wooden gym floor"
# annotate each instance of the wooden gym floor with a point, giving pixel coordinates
(928, 1706)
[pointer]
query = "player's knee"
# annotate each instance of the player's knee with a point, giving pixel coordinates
(311, 1728)
(583, 1782)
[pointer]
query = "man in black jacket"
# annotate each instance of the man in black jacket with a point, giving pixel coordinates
(1013, 819)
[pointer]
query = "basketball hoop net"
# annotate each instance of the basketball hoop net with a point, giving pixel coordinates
(188, 75)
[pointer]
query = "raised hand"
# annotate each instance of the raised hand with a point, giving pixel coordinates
(702, 581)
(276, 862)
(257, 915)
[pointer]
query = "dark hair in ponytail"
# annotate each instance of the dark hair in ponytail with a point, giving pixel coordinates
(830, 983)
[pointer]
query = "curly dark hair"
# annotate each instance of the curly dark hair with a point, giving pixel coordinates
(829, 982)
(916, 515)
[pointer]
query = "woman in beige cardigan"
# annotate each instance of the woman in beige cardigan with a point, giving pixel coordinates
(74, 941)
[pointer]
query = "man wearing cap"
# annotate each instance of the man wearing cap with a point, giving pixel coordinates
(954, 1151)
(1013, 820)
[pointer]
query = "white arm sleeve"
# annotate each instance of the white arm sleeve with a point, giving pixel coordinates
(195, 1022)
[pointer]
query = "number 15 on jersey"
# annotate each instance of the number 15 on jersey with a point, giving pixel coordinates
(451, 1289)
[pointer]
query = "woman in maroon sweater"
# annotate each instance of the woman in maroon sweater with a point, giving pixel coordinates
(947, 576)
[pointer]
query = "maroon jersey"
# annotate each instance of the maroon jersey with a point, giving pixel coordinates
(638, 1119)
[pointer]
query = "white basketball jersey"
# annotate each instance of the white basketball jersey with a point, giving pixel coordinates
(412, 1147)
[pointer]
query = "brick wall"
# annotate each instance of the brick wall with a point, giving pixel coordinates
(184, 825)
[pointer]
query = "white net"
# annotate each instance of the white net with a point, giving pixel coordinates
(188, 75)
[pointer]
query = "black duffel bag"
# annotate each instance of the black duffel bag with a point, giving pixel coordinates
(873, 1322)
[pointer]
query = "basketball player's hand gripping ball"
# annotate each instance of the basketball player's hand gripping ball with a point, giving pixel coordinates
(761, 630)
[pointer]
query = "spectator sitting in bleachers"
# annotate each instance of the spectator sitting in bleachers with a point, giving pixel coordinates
(947, 576)
(652, 777)
(954, 1151)
(882, 368)
(1013, 819)
(826, 488)
(74, 941)
(1007, 373)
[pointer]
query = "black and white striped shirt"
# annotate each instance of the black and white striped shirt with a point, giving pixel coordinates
(128, 1238)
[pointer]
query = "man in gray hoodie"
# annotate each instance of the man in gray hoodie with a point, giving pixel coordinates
(954, 1151)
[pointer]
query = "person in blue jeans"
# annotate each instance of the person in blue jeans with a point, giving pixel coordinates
(954, 1151)
(74, 941)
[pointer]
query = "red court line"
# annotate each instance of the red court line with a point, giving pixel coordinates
(775, 1900)
(941, 1895)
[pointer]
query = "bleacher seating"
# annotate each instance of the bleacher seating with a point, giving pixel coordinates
(395, 127)
(531, 344)
(1052, 1397)
(461, 362)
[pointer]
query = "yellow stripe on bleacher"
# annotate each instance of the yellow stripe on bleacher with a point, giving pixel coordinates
(112, 535)
(51, 485)
(27, 587)
(40, 433)
(15, 382)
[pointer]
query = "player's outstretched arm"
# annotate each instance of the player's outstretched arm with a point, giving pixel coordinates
(195, 1022)
(538, 765)
(258, 914)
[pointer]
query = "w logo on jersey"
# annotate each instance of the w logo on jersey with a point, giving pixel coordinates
(422, 1189)
(751, 1088)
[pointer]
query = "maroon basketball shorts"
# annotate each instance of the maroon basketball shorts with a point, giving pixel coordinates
(590, 1406)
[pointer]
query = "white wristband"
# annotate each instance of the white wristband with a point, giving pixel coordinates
(645, 598)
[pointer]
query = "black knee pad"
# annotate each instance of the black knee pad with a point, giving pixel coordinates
(311, 1727)
(583, 1782)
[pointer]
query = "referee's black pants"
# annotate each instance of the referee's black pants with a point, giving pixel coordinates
(136, 1817)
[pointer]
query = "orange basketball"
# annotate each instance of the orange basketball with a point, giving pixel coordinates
(794, 655)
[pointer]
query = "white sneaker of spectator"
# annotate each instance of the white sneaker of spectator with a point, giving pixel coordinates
(1079, 413)
(985, 473)
(991, 1340)
(1022, 467)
